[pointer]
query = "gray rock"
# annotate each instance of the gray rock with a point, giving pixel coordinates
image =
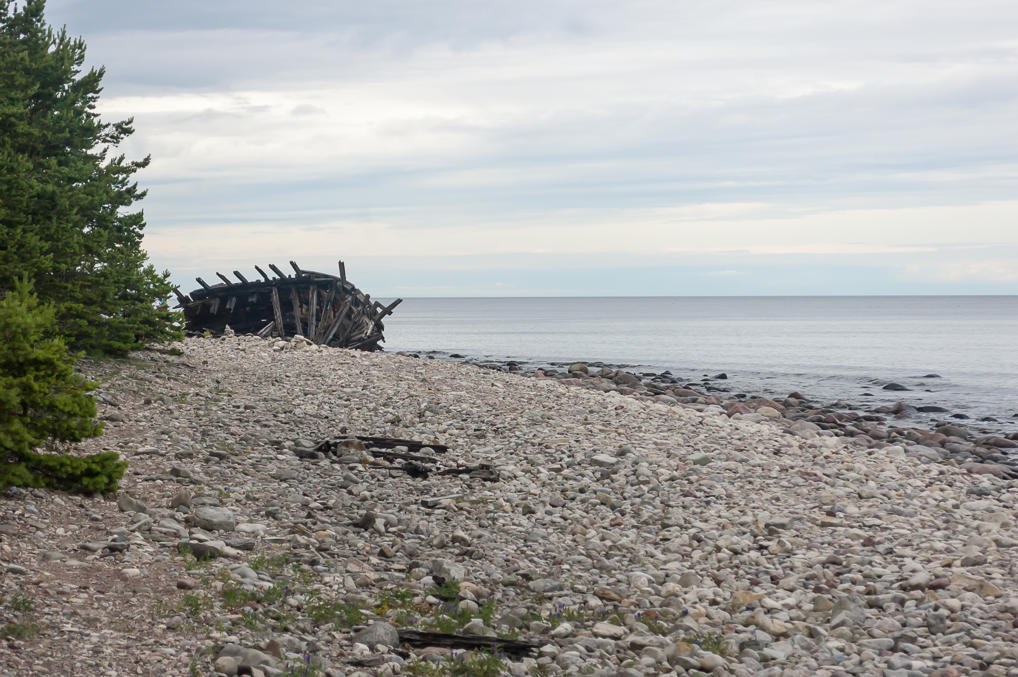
(609, 630)
(181, 472)
(448, 569)
(378, 632)
(248, 657)
(205, 549)
(624, 378)
(877, 644)
(215, 518)
(228, 665)
(128, 503)
(542, 585)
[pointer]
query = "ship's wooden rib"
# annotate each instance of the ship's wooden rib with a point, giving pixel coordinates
(324, 308)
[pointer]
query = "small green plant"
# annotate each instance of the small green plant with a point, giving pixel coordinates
(449, 618)
(235, 597)
(339, 614)
(22, 604)
(270, 565)
(469, 664)
(654, 623)
(250, 619)
(713, 642)
(19, 630)
(447, 590)
(192, 561)
(398, 597)
(486, 612)
(194, 605)
(305, 668)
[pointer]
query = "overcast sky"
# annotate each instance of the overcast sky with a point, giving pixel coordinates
(464, 148)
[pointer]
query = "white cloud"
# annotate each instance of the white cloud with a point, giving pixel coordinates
(870, 130)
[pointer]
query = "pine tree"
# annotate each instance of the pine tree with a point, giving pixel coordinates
(42, 400)
(65, 221)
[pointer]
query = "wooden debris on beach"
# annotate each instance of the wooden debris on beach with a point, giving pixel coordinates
(323, 308)
(403, 455)
(513, 647)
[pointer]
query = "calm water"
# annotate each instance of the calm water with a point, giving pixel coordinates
(828, 348)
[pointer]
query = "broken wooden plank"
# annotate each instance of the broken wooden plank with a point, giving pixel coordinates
(312, 312)
(214, 308)
(266, 330)
(277, 312)
(277, 271)
(515, 647)
(400, 455)
(482, 471)
(387, 310)
(393, 442)
(367, 339)
(203, 283)
(225, 279)
(240, 277)
(338, 321)
(231, 303)
(296, 269)
(295, 301)
(262, 273)
(326, 313)
(342, 274)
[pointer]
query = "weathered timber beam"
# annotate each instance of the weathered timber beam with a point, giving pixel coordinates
(342, 274)
(231, 303)
(277, 313)
(312, 311)
(225, 279)
(215, 306)
(516, 647)
(368, 339)
(296, 269)
(240, 277)
(338, 321)
(387, 310)
(203, 283)
(277, 271)
(326, 313)
(262, 273)
(295, 300)
(266, 330)
(393, 442)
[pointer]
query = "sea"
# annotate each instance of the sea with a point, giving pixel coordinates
(956, 352)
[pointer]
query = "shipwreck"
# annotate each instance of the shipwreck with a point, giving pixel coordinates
(326, 309)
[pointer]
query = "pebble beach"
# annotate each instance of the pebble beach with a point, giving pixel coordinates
(618, 535)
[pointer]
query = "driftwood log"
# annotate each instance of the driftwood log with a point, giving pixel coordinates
(515, 647)
(322, 308)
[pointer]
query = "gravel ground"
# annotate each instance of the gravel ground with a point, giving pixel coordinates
(620, 536)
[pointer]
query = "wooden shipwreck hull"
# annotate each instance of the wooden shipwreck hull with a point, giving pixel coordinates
(323, 308)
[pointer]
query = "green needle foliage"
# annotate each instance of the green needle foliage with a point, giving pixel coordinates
(41, 399)
(65, 195)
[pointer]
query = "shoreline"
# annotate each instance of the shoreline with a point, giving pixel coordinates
(959, 439)
(623, 536)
